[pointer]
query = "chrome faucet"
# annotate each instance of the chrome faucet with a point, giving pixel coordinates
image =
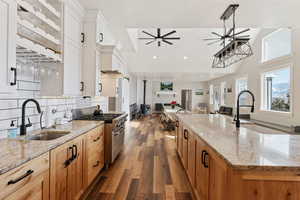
(238, 122)
(24, 126)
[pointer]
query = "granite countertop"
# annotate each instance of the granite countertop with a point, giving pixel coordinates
(251, 147)
(15, 152)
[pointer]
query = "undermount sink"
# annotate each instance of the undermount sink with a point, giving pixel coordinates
(48, 135)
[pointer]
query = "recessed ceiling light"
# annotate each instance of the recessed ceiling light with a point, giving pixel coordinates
(185, 57)
(154, 57)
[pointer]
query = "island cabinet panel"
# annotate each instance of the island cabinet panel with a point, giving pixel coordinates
(186, 134)
(30, 181)
(180, 140)
(265, 185)
(191, 170)
(218, 177)
(202, 171)
(66, 171)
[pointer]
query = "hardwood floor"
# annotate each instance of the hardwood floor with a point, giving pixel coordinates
(147, 169)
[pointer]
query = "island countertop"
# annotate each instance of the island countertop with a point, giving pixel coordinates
(15, 152)
(251, 147)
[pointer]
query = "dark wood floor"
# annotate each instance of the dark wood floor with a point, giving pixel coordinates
(148, 168)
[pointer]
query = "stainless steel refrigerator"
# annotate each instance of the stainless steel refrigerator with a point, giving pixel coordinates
(186, 99)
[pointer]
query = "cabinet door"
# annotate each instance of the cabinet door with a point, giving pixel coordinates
(180, 140)
(202, 172)
(185, 147)
(75, 171)
(72, 68)
(37, 189)
(191, 157)
(8, 17)
(217, 178)
(59, 172)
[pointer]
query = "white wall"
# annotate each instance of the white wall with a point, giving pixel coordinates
(252, 68)
(132, 89)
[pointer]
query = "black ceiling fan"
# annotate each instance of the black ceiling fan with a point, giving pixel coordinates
(230, 34)
(159, 37)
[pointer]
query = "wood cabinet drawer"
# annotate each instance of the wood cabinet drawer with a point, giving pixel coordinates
(22, 178)
(95, 135)
(95, 164)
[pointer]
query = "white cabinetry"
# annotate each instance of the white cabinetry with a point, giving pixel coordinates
(8, 17)
(104, 35)
(73, 18)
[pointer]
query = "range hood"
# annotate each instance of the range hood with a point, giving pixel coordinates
(112, 63)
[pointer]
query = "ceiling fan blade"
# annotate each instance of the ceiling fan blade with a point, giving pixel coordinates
(146, 38)
(158, 33)
(159, 43)
(150, 42)
(208, 39)
(243, 36)
(213, 42)
(149, 34)
(165, 35)
(243, 31)
(173, 38)
(230, 31)
(170, 43)
(217, 34)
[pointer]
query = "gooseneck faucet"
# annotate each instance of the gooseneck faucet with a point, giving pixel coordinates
(238, 122)
(24, 126)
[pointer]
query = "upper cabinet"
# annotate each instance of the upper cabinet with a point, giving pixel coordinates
(8, 17)
(98, 52)
(66, 79)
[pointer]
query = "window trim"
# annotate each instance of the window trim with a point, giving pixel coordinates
(211, 94)
(262, 88)
(223, 93)
(236, 86)
(263, 48)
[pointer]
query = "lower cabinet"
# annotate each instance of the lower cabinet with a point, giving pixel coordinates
(66, 180)
(185, 147)
(191, 166)
(94, 154)
(30, 181)
(180, 139)
(202, 171)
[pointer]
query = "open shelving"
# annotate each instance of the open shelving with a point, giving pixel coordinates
(39, 30)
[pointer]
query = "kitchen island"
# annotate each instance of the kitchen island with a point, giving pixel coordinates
(223, 162)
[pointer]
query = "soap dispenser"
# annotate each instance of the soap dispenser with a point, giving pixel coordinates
(13, 130)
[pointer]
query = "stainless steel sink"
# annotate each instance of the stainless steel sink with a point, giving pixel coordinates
(48, 135)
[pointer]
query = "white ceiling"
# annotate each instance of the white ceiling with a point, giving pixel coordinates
(194, 20)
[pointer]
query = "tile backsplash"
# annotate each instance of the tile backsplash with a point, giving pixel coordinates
(28, 86)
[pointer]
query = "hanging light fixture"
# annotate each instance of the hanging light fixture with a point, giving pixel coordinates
(236, 47)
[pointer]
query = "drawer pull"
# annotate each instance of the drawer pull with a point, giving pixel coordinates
(11, 182)
(185, 134)
(97, 164)
(98, 138)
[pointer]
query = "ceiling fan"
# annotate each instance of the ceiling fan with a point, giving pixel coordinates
(230, 34)
(159, 37)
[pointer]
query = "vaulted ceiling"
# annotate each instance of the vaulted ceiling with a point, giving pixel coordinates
(194, 20)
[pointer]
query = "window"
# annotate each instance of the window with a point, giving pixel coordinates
(277, 44)
(216, 98)
(223, 93)
(242, 84)
(276, 90)
(211, 94)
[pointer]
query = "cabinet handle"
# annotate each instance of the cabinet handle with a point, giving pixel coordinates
(81, 86)
(98, 138)
(184, 134)
(202, 156)
(100, 87)
(82, 37)
(11, 182)
(15, 76)
(75, 151)
(204, 160)
(101, 39)
(97, 164)
(69, 161)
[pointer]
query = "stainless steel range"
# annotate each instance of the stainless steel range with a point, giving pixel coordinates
(114, 129)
